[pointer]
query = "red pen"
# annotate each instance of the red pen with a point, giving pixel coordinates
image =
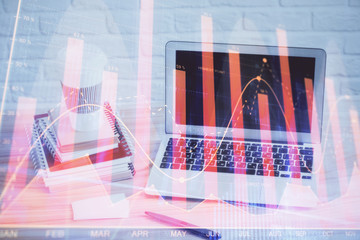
(205, 233)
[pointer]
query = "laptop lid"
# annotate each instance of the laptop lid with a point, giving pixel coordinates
(244, 92)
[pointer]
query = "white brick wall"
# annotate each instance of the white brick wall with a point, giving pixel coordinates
(113, 25)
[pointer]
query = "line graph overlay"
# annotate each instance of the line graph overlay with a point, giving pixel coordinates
(9, 63)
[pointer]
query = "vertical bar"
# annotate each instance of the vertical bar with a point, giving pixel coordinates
(179, 184)
(143, 113)
(237, 123)
(315, 136)
(16, 174)
(208, 97)
(286, 87)
(356, 133)
(71, 85)
(180, 97)
(108, 93)
(264, 116)
(287, 97)
(337, 140)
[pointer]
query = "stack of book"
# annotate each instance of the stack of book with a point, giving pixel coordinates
(62, 155)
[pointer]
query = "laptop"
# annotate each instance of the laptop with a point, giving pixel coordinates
(243, 123)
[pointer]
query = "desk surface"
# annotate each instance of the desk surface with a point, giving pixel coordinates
(34, 206)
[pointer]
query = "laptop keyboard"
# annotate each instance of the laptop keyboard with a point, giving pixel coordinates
(276, 160)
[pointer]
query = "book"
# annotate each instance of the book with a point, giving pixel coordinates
(70, 140)
(117, 162)
(51, 141)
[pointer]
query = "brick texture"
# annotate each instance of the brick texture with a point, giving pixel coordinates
(270, 20)
(45, 25)
(348, 20)
(295, 3)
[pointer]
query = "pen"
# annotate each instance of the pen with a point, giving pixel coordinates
(205, 233)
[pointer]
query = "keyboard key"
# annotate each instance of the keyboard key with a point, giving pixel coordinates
(305, 169)
(221, 163)
(258, 160)
(199, 162)
(225, 152)
(308, 164)
(251, 166)
(262, 172)
(299, 163)
(237, 153)
(175, 166)
(283, 150)
(277, 155)
(272, 167)
(247, 154)
(210, 168)
(219, 157)
(295, 175)
(283, 168)
(289, 162)
(285, 175)
(185, 166)
(306, 177)
(253, 148)
(306, 152)
(274, 173)
(210, 163)
(249, 159)
(167, 160)
(250, 171)
(230, 164)
(223, 146)
(196, 155)
(225, 170)
(308, 158)
(267, 155)
(256, 154)
(268, 161)
(286, 156)
(179, 160)
(294, 169)
(227, 158)
(279, 161)
(164, 165)
(196, 168)
(190, 161)
(261, 166)
(294, 151)
(241, 165)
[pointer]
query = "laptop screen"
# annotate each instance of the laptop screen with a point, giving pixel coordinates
(229, 90)
(251, 67)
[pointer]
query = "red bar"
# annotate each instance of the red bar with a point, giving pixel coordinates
(16, 174)
(286, 88)
(265, 129)
(356, 133)
(108, 93)
(180, 97)
(236, 97)
(208, 98)
(72, 77)
(143, 107)
(179, 177)
(315, 136)
(336, 132)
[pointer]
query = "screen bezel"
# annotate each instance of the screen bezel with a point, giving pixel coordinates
(252, 134)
